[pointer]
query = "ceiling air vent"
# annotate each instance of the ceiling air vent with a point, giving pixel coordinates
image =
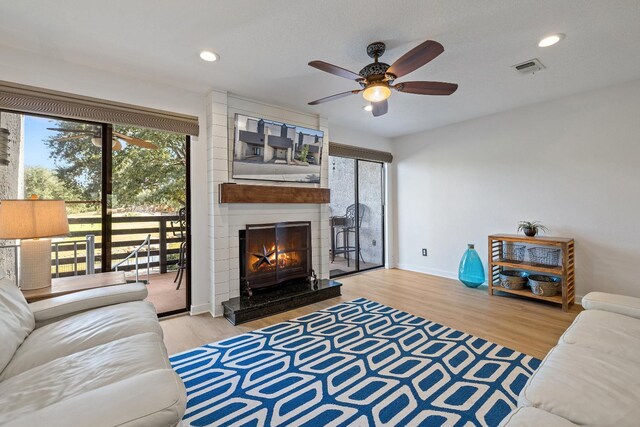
(531, 66)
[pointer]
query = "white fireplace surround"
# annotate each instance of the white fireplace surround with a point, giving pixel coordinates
(228, 219)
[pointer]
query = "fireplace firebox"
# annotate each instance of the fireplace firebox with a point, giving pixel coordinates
(273, 254)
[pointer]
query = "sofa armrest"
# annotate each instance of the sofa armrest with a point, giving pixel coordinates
(57, 308)
(156, 398)
(628, 306)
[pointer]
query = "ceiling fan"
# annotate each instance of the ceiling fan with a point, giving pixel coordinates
(377, 79)
(96, 138)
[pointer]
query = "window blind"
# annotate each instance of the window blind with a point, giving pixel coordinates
(33, 100)
(353, 152)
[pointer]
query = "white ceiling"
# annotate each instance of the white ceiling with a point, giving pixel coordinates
(265, 47)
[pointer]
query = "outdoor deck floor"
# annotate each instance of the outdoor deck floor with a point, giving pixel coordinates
(163, 293)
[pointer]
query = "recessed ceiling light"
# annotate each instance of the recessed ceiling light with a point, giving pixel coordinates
(368, 107)
(207, 55)
(551, 40)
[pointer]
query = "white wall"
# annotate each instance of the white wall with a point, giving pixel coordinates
(572, 163)
(346, 136)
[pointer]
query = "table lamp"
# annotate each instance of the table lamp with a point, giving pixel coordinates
(33, 221)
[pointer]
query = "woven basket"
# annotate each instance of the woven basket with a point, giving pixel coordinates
(513, 253)
(544, 286)
(544, 256)
(513, 279)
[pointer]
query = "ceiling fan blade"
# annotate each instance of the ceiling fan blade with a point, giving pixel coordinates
(427, 88)
(334, 69)
(380, 108)
(135, 141)
(416, 58)
(117, 145)
(332, 97)
(69, 138)
(73, 130)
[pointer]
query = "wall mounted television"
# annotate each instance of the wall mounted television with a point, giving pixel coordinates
(272, 151)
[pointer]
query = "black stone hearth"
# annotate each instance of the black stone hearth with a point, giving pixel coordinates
(277, 299)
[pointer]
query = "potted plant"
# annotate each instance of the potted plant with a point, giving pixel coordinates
(531, 228)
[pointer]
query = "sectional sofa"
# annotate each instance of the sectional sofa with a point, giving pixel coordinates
(93, 358)
(592, 377)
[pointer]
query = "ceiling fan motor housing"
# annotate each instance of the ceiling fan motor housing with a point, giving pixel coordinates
(376, 49)
(376, 71)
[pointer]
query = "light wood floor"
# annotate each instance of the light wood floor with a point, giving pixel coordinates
(528, 326)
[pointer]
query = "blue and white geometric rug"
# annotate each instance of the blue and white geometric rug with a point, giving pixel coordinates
(359, 363)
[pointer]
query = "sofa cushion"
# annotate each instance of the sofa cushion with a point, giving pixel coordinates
(152, 399)
(16, 320)
(589, 388)
(53, 309)
(607, 332)
(628, 306)
(81, 332)
(532, 417)
(70, 376)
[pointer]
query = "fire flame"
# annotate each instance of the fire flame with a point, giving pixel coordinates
(284, 260)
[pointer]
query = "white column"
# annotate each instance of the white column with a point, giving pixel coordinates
(325, 231)
(217, 125)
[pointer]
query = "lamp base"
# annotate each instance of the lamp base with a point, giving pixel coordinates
(35, 264)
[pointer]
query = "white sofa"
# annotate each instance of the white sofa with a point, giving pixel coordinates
(93, 358)
(592, 377)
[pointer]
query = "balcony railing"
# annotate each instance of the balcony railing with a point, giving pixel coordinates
(81, 251)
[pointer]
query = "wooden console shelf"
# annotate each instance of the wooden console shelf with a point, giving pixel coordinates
(566, 271)
(243, 193)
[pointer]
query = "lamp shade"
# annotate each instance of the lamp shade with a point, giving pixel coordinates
(32, 219)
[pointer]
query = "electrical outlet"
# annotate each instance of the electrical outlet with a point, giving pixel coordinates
(373, 243)
(424, 252)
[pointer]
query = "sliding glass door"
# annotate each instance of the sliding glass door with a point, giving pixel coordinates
(57, 159)
(371, 201)
(356, 215)
(148, 212)
(126, 194)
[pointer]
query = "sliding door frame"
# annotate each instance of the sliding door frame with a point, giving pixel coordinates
(383, 206)
(106, 132)
(188, 231)
(107, 191)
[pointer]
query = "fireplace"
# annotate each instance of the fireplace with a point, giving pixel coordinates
(273, 254)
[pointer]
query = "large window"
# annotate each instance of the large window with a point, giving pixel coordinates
(356, 215)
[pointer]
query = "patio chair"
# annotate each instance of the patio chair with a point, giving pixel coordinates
(344, 226)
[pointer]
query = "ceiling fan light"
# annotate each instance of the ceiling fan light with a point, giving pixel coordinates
(97, 141)
(376, 92)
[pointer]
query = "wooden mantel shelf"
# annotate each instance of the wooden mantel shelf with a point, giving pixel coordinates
(243, 193)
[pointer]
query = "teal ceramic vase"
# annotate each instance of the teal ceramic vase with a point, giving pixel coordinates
(471, 271)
